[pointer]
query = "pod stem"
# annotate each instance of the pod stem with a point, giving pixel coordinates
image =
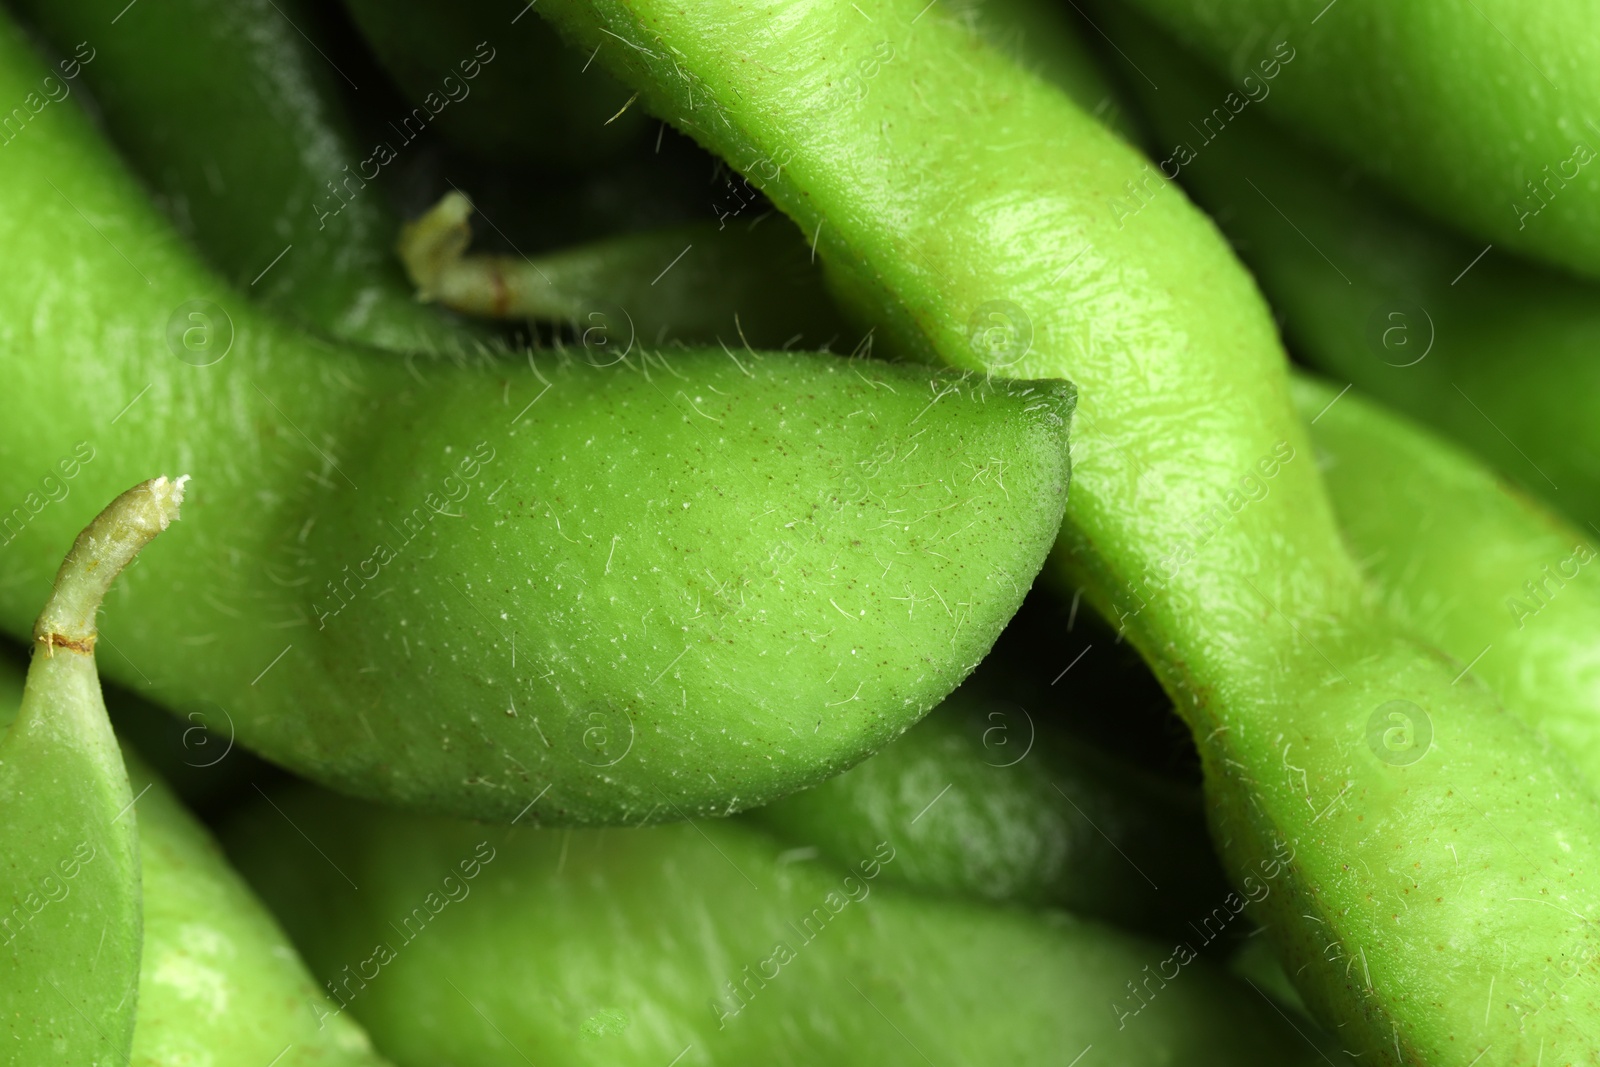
(434, 251)
(102, 550)
(433, 245)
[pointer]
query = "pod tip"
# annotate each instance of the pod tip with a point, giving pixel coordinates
(102, 550)
(166, 497)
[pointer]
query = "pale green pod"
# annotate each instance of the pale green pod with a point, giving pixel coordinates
(714, 944)
(69, 844)
(998, 803)
(219, 984)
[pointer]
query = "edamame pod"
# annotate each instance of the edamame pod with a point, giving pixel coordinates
(711, 944)
(543, 104)
(69, 843)
(1485, 573)
(962, 200)
(989, 803)
(1495, 352)
(1068, 827)
(1416, 95)
(743, 285)
(688, 581)
(218, 982)
(230, 113)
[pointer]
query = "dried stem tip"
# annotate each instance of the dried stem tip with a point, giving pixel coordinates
(105, 546)
(432, 246)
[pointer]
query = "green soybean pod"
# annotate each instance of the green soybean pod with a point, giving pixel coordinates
(218, 982)
(1490, 576)
(711, 944)
(1479, 112)
(1493, 351)
(968, 210)
(1066, 827)
(704, 283)
(989, 802)
(230, 113)
(681, 582)
(69, 848)
(543, 104)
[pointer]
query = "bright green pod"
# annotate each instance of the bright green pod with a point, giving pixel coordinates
(1487, 574)
(678, 582)
(1443, 542)
(231, 114)
(711, 943)
(989, 802)
(1493, 351)
(70, 906)
(698, 581)
(219, 984)
(544, 104)
(1480, 112)
(968, 210)
(1385, 312)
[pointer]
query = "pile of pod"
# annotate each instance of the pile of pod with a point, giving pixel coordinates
(613, 589)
